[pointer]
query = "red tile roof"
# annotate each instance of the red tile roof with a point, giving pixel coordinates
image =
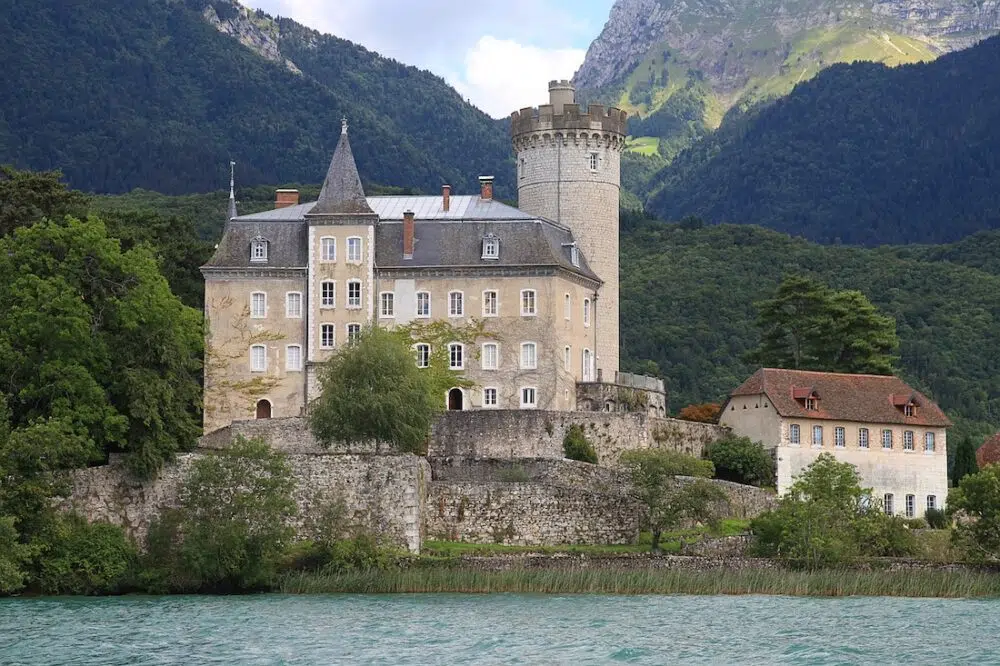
(859, 398)
(989, 452)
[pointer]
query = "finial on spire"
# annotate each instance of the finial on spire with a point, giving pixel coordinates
(232, 189)
(343, 125)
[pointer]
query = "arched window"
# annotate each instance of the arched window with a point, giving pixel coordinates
(258, 305)
(529, 306)
(423, 355)
(588, 366)
(327, 336)
(456, 356)
(353, 294)
(328, 294)
(293, 358)
(263, 410)
(529, 356)
(586, 312)
(328, 248)
(354, 249)
(456, 304)
(490, 356)
(423, 304)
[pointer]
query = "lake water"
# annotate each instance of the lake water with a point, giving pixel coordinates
(499, 629)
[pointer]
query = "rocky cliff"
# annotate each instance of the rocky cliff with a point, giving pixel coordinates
(742, 46)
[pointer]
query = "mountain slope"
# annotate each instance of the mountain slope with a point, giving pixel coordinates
(861, 154)
(688, 299)
(718, 53)
(161, 95)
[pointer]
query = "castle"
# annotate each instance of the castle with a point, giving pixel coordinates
(286, 287)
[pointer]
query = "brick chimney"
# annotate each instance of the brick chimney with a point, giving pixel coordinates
(446, 198)
(285, 198)
(486, 188)
(408, 235)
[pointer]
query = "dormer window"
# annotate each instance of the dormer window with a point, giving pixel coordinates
(906, 404)
(909, 410)
(491, 247)
(574, 255)
(258, 249)
(807, 397)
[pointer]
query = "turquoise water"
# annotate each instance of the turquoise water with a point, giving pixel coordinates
(499, 629)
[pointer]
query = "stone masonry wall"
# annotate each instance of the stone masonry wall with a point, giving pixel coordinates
(383, 493)
(539, 434)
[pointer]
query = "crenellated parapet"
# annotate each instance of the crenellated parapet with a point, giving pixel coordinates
(548, 123)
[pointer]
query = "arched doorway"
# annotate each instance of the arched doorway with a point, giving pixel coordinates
(263, 409)
(455, 399)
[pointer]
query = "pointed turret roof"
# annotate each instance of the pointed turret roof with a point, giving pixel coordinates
(342, 193)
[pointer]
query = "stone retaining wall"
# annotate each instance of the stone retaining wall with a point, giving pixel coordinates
(384, 494)
(529, 514)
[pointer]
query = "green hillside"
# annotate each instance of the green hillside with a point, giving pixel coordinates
(688, 297)
(122, 94)
(861, 154)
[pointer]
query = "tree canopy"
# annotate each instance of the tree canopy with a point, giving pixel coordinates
(808, 326)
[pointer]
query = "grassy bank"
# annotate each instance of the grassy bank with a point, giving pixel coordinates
(829, 583)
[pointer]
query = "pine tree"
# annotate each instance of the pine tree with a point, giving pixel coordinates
(965, 461)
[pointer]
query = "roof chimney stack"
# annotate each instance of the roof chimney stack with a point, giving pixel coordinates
(561, 93)
(408, 234)
(446, 198)
(486, 188)
(285, 198)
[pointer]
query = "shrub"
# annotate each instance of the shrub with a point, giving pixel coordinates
(936, 519)
(977, 498)
(13, 557)
(916, 523)
(741, 460)
(672, 463)
(231, 530)
(576, 446)
(81, 558)
(707, 412)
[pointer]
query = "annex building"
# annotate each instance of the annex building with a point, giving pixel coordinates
(894, 435)
(287, 287)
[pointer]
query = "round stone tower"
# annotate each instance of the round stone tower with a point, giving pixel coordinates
(569, 171)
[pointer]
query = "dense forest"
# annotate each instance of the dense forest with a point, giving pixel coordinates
(121, 94)
(862, 154)
(689, 293)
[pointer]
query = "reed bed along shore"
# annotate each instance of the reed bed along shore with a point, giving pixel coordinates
(821, 583)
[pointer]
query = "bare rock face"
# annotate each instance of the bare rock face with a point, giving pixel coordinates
(260, 37)
(732, 40)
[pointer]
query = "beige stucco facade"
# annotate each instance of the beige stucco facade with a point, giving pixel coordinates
(896, 471)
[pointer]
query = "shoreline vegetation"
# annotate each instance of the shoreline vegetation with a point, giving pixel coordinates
(949, 583)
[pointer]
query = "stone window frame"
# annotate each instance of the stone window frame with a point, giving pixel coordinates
(289, 366)
(887, 438)
(259, 250)
(794, 434)
(888, 504)
(817, 442)
(839, 437)
(328, 301)
(523, 394)
(353, 331)
(323, 328)
(586, 313)
(454, 312)
(496, 397)
(864, 438)
(528, 344)
(491, 247)
(495, 300)
(529, 297)
(353, 302)
(289, 313)
(359, 246)
(568, 358)
(258, 364)
(932, 502)
(262, 313)
(593, 161)
(568, 306)
(387, 298)
(522, 171)
(496, 356)
(331, 257)
(911, 505)
(587, 365)
(930, 442)
(417, 299)
(456, 350)
(422, 351)
(908, 441)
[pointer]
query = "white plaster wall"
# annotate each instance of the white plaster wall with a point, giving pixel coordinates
(755, 417)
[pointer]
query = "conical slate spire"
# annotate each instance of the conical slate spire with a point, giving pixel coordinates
(232, 190)
(342, 193)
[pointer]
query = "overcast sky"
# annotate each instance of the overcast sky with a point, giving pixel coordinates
(499, 55)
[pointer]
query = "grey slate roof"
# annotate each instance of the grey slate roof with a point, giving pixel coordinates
(529, 242)
(342, 193)
(287, 245)
(462, 207)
